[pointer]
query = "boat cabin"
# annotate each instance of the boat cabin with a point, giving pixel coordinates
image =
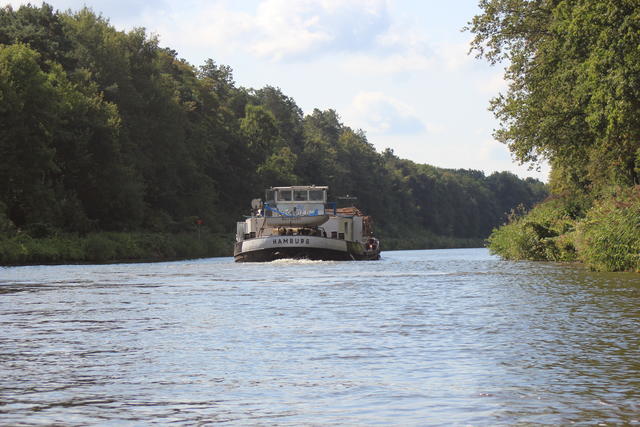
(303, 210)
(300, 200)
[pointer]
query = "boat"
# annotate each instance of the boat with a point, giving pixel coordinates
(297, 222)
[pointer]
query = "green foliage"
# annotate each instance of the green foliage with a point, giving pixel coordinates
(258, 125)
(111, 146)
(605, 238)
(545, 233)
(279, 169)
(28, 106)
(574, 72)
(111, 247)
(609, 236)
(99, 248)
(460, 203)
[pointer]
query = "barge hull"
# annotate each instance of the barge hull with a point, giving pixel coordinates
(312, 248)
(316, 254)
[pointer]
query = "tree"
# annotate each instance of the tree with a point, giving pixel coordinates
(278, 169)
(288, 116)
(28, 120)
(574, 72)
(60, 148)
(258, 126)
(41, 29)
(102, 129)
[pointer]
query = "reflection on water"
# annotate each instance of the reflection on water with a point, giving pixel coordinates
(418, 338)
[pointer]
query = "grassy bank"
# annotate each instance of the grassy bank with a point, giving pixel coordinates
(103, 247)
(604, 233)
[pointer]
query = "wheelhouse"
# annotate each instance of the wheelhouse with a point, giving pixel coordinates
(295, 200)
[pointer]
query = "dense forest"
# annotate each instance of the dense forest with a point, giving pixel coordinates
(573, 99)
(112, 147)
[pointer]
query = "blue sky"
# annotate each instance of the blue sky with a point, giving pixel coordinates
(398, 69)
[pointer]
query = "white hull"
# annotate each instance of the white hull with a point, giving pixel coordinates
(295, 221)
(310, 247)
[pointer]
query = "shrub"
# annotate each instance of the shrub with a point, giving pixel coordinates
(126, 246)
(11, 251)
(543, 234)
(111, 247)
(609, 237)
(99, 248)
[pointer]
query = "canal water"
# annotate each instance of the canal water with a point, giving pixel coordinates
(440, 337)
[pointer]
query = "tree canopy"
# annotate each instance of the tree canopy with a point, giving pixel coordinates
(102, 129)
(573, 68)
(573, 99)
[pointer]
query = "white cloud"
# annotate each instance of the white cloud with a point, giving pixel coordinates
(111, 9)
(493, 151)
(372, 38)
(16, 3)
(278, 30)
(436, 128)
(495, 156)
(289, 30)
(364, 31)
(399, 49)
(406, 49)
(396, 63)
(213, 26)
(493, 85)
(453, 56)
(382, 114)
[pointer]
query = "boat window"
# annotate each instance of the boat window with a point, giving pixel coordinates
(316, 195)
(284, 195)
(268, 196)
(300, 195)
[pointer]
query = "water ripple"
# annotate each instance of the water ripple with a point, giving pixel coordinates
(451, 337)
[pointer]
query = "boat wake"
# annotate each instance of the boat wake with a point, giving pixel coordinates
(299, 261)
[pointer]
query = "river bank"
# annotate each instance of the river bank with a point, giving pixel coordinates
(604, 233)
(108, 247)
(113, 247)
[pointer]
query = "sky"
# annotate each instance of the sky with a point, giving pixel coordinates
(397, 69)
